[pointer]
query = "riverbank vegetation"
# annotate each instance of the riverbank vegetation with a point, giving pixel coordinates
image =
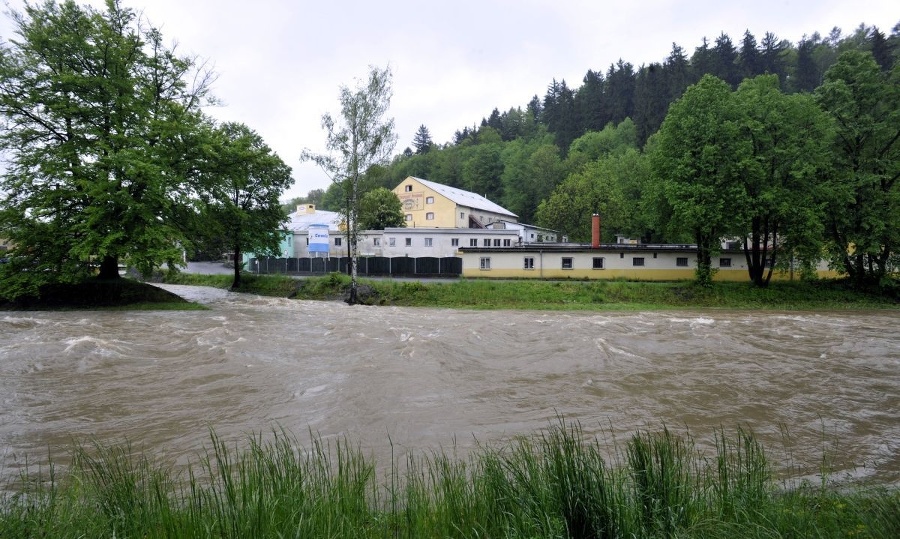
(563, 295)
(94, 293)
(557, 483)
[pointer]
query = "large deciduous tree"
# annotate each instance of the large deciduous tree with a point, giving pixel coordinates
(864, 208)
(697, 158)
(360, 138)
(379, 209)
(245, 180)
(96, 111)
(781, 192)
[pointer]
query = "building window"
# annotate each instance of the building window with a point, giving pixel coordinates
(392, 242)
(409, 242)
(429, 200)
(507, 243)
(377, 242)
(473, 242)
(497, 242)
(567, 262)
(454, 242)
(427, 242)
(429, 216)
(485, 262)
(487, 242)
(621, 255)
(462, 215)
(598, 262)
(724, 262)
(529, 262)
(337, 242)
(637, 261)
(681, 262)
(408, 188)
(409, 217)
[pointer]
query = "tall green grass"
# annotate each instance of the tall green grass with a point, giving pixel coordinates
(557, 483)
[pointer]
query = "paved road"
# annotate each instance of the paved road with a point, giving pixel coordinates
(209, 268)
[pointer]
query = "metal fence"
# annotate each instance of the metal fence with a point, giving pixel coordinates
(375, 266)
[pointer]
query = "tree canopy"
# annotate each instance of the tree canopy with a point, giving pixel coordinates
(99, 122)
(379, 209)
(110, 158)
(242, 184)
(863, 222)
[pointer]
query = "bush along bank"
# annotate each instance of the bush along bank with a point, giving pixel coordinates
(551, 484)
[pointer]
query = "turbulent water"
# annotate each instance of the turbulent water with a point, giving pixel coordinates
(810, 385)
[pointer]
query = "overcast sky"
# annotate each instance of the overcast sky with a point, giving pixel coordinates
(280, 63)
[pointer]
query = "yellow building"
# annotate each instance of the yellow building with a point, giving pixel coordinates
(430, 204)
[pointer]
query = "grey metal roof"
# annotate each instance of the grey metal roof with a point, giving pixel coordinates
(465, 198)
(301, 221)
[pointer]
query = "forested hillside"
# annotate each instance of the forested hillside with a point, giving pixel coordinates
(592, 148)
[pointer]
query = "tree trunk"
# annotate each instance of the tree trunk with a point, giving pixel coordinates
(236, 283)
(109, 268)
(704, 260)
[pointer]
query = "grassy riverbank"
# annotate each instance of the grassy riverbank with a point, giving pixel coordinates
(561, 295)
(553, 484)
(90, 294)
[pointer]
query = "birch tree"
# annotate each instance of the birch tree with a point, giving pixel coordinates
(360, 137)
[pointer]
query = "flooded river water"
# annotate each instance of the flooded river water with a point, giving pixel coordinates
(807, 384)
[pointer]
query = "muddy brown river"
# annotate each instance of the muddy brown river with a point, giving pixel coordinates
(810, 385)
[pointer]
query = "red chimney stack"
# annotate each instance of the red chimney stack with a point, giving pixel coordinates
(595, 231)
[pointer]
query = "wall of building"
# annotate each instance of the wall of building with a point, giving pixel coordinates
(659, 265)
(424, 207)
(436, 242)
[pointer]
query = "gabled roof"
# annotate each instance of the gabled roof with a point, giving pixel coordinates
(300, 221)
(465, 198)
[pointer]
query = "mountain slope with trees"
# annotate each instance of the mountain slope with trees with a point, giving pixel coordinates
(580, 150)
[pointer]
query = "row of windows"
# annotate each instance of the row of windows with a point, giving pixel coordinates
(429, 242)
(409, 188)
(428, 216)
(568, 262)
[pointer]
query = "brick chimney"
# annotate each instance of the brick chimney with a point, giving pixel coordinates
(595, 231)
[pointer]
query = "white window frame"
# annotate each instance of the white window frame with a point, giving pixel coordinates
(485, 263)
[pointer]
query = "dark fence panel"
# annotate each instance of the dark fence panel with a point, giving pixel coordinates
(374, 266)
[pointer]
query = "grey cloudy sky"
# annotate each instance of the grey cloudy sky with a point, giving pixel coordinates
(280, 63)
